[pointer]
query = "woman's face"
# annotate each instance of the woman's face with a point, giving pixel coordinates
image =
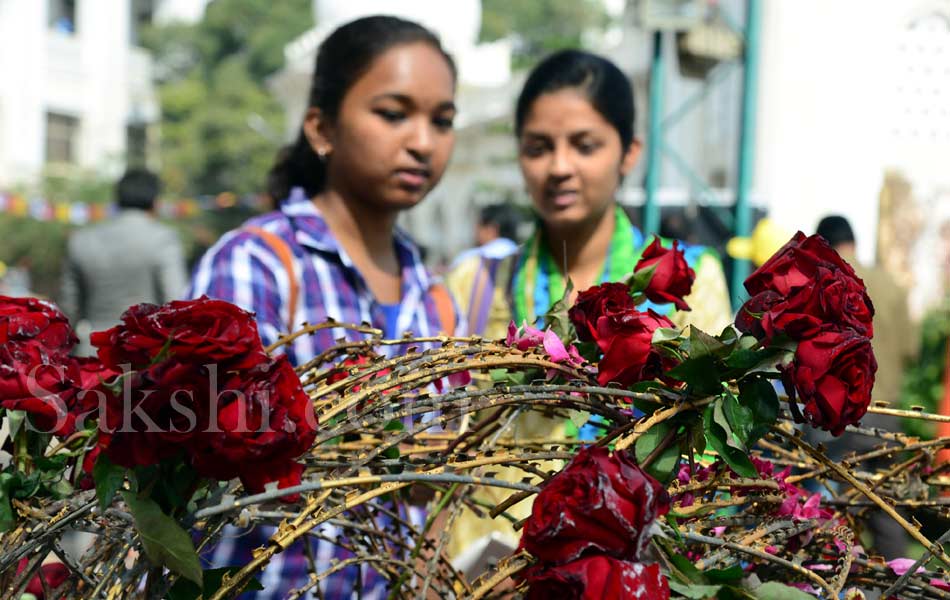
(572, 159)
(393, 135)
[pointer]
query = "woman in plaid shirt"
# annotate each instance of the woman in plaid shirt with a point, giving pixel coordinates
(374, 141)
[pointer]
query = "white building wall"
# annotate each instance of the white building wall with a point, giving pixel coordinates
(22, 86)
(94, 74)
(831, 117)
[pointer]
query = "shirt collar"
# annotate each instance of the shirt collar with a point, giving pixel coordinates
(312, 231)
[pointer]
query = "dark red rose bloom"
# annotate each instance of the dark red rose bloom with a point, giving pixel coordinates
(673, 278)
(600, 503)
(256, 434)
(626, 339)
(37, 375)
(53, 574)
(32, 321)
(597, 578)
(833, 373)
(44, 386)
(796, 265)
(201, 331)
(156, 411)
(596, 302)
(749, 317)
(832, 298)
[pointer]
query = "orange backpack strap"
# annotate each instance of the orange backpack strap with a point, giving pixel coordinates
(286, 256)
(444, 306)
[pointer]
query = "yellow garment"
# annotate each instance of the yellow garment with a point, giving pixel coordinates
(711, 312)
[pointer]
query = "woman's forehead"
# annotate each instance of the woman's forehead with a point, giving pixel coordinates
(416, 71)
(564, 110)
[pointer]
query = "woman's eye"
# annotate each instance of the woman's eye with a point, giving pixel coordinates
(444, 122)
(392, 116)
(533, 150)
(587, 147)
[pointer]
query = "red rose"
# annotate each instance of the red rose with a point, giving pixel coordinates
(796, 265)
(53, 574)
(672, 278)
(156, 411)
(749, 317)
(28, 320)
(626, 339)
(596, 302)
(257, 434)
(601, 503)
(833, 298)
(199, 331)
(597, 578)
(44, 386)
(833, 373)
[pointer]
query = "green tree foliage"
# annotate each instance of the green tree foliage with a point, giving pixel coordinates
(216, 110)
(924, 380)
(539, 27)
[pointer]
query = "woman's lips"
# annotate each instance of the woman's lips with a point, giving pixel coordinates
(563, 198)
(412, 178)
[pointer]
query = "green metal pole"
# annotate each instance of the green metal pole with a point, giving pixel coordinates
(651, 208)
(750, 81)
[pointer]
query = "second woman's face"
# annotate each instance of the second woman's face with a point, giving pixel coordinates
(393, 136)
(572, 159)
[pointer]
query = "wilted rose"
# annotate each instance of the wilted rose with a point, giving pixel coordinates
(599, 503)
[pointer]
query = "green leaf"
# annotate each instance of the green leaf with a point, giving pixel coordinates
(716, 437)
(687, 568)
(758, 396)
(557, 318)
(7, 518)
(109, 479)
(165, 542)
(640, 280)
(665, 334)
(212, 579)
(700, 373)
(779, 591)
(725, 576)
(719, 416)
(729, 335)
(15, 420)
(695, 591)
(703, 344)
(697, 438)
(739, 417)
(506, 377)
(394, 425)
(665, 464)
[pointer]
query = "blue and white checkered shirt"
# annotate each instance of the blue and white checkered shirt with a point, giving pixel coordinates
(243, 269)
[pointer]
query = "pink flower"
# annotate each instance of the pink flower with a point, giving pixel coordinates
(554, 348)
(902, 565)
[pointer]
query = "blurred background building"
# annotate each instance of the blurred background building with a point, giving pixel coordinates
(77, 87)
(847, 111)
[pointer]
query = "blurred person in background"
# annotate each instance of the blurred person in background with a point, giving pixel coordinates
(574, 123)
(128, 259)
(331, 249)
(895, 346)
(496, 233)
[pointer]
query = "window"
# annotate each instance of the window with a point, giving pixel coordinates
(136, 145)
(61, 133)
(62, 16)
